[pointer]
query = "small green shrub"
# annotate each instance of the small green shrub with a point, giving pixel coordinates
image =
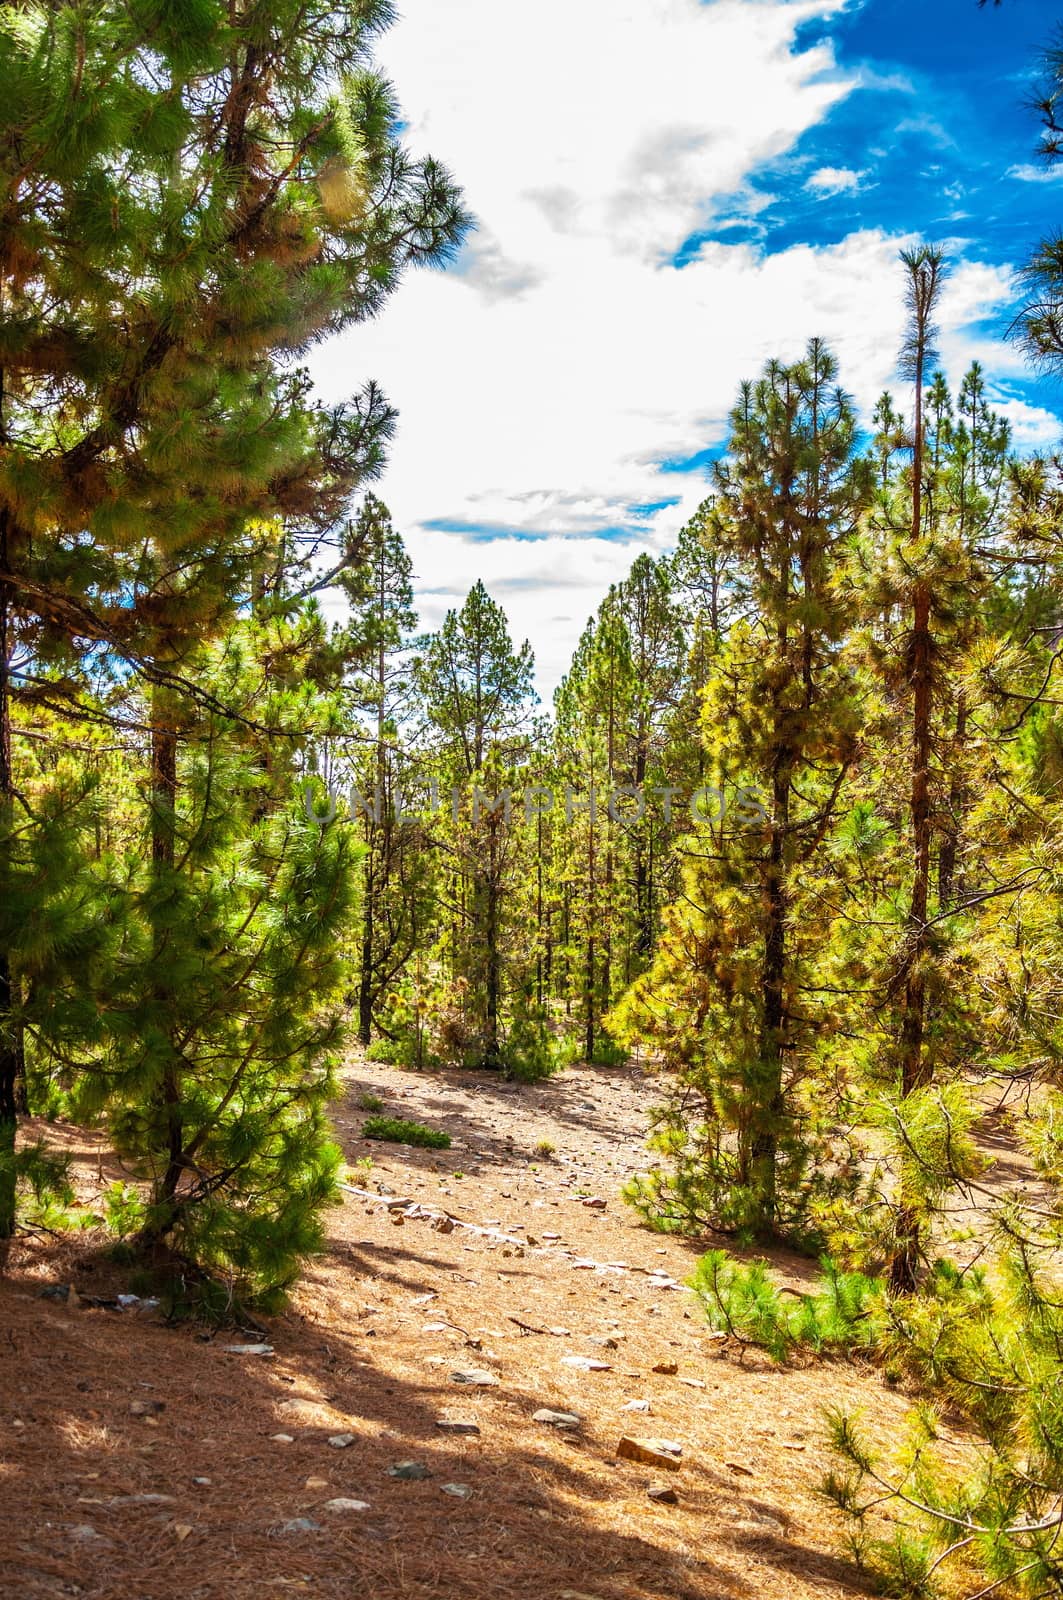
(544, 1148)
(569, 1051)
(123, 1210)
(527, 1054)
(391, 1052)
(394, 1130)
(844, 1312)
(370, 1102)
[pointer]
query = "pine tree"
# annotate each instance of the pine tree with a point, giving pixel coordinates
(478, 699)
(593, 712)
(196, 193)
(393, 882)
(730, 998)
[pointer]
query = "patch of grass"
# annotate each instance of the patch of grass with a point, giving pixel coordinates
(395, 1131)
(370, 1102)
(545, 1149)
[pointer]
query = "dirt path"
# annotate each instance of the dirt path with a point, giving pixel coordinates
(102, 1411)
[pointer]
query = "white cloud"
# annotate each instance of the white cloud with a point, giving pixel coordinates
(1028, 173)
(542, 382)
(834, 180)
(1032, 427)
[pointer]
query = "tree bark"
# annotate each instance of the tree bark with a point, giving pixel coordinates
(914, 1071)
(163, 833)
(10, 1028)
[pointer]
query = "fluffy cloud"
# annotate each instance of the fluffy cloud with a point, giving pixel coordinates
(1026, 172)
(546, 382)
(833, 180)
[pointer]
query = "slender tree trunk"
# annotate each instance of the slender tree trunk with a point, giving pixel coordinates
(914, 1072)
(643, 909)
(539, 939)
(591, 953)
(163, 838)
(948, 851)
(379, 852)
(770, 1104)
(10, 1029)
(493, 1054)
(365, 977)
(773, 1001)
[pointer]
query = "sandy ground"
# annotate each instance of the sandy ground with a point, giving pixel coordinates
(100, 1411)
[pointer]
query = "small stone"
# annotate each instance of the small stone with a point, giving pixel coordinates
(457, 1425)
(85, 1533)
(585, 1364)
(248, 1349)
(300, 1407)
(146, 1408)
(341, 1503)
(693, 1383)
(397, 1219)
(651, 1452)
(144, 1500)
(478, 1377)
(737, 1468)
(595, 1203)
(341, 1441)
(556, 1419)
(300, 1525)
(636, 1405)
(60, 1292)
(316, 1483)
(667, 1369)
(584, 1265)
(443, 1225)
(282, 1438)
(409, 1471)
(460, 1491)
(663, 1493)
(435, 1327)
(201, 1483)
(181, 1531)
(398, 1205)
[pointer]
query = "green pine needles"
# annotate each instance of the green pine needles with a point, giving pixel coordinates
(843, 1313)
(396, 1130)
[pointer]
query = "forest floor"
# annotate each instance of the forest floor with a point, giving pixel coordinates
(143, 1462)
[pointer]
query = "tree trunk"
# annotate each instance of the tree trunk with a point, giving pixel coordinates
(365, 979)
(914, 1072)
(10, 1027)
(948, 850)
(493, 1054)
(773, 976)
(163, 831)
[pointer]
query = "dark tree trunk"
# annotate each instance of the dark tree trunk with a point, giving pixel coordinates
(163, 834)
(948, 851)
(914, 1071)
(773, 1000)
(11, 1074)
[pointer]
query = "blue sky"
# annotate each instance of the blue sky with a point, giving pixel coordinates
(668, 193)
